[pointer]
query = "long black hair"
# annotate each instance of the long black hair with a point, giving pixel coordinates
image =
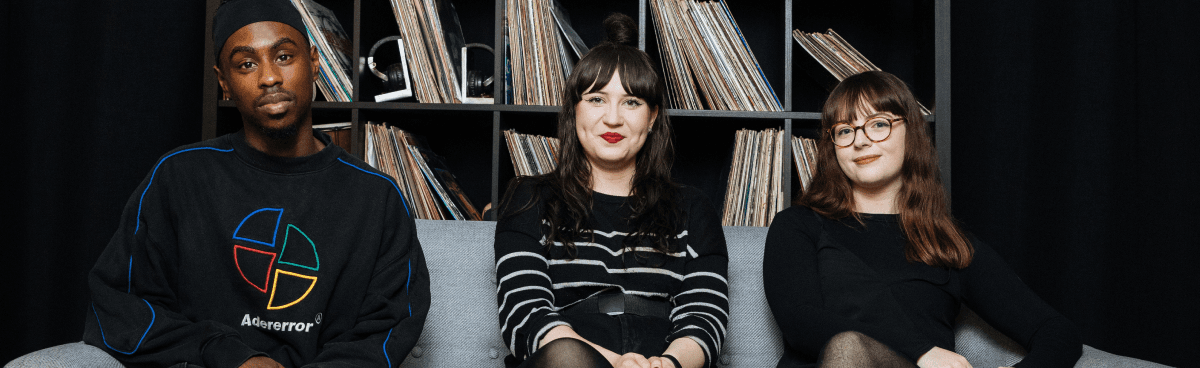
(566, 193)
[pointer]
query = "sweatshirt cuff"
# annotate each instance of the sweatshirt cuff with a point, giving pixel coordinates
(227, 351)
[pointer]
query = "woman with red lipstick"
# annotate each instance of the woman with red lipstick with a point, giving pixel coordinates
(606, 262)
(870, 269)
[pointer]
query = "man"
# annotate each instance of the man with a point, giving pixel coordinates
(264, 248)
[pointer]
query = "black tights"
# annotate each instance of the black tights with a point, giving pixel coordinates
(566, 352)
(853, 349)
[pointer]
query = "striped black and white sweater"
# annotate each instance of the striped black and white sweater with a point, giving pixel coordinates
(536, 281)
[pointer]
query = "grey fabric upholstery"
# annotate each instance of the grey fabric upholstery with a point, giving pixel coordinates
(76, 354)
(462, 329)
(981, 344)
(752, 338)
(1094, 358)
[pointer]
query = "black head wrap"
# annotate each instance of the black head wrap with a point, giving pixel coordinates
(235, 14)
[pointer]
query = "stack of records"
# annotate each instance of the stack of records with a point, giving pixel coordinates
(541, 48)
(804, 153)
(333, 47)
(531, 154)
(429, 190)
(707, 62)
(755, 191)
(836, 56)
(432, 42)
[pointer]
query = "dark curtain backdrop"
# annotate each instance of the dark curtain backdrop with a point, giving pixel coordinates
(1074, 156)
(1073, 153)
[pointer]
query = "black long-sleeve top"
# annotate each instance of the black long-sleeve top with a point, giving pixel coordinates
(824, 276)
(224, 253)
(536, 282)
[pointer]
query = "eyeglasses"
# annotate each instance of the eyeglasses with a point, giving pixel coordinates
(877, 130)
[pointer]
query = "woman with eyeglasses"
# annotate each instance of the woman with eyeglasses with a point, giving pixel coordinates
(869, 269)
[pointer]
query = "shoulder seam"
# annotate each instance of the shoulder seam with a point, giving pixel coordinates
(137, 220)
(389, 180)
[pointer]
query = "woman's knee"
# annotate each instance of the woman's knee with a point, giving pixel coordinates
(567, 352)
(849, 339)
(566, 344)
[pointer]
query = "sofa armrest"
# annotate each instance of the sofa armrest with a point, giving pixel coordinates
(983, 346)
(76, 354)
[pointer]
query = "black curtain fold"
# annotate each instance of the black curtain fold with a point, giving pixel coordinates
(1073, 153)
(96, 91)
(1073, 158)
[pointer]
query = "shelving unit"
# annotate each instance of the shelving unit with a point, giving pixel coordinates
(910, 39)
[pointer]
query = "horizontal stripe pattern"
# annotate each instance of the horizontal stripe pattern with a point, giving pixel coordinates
(537, 279)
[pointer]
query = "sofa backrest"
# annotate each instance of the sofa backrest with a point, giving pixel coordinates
(752, 338)
(462, 329)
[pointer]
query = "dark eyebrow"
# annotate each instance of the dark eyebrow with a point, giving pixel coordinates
(283, 41)
(237, 49)
(280, 42)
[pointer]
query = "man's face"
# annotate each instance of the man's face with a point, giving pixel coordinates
(268, 69)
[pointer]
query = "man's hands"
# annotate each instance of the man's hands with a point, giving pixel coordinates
(261, 362)
(942, 358)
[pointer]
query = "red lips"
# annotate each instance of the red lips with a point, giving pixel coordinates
(612, 137)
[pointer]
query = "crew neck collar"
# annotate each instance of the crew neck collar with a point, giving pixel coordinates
(880, 217)
(608, 198)
(286, 165)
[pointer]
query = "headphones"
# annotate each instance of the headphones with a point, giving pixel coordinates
(474, 84)
(396, 77)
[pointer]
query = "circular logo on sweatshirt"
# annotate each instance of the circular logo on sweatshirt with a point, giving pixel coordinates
(282, 266)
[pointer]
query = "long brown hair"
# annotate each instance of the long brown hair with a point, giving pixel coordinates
(933, 236)
(567, 191)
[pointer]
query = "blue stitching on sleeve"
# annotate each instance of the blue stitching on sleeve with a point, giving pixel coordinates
(139, 344)
(384, 178)
(385, 354)
(137, 220)
(406, 283)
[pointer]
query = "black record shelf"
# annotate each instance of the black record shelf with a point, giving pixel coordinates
(914, 44)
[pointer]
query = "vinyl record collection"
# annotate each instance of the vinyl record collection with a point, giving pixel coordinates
(804, 154)
(755, 191)
(541, 49)
(432, 38)
(706, 60)
(531, 154)
(835, 55)
(333, 47)
(430, 191)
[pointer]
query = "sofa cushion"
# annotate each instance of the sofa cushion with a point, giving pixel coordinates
(752, 339)
(461, 329)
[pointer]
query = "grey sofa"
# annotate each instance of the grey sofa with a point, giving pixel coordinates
(462, 330)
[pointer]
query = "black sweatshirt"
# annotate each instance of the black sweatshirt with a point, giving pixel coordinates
(224, 253)
(536, 282)
(824, 276)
